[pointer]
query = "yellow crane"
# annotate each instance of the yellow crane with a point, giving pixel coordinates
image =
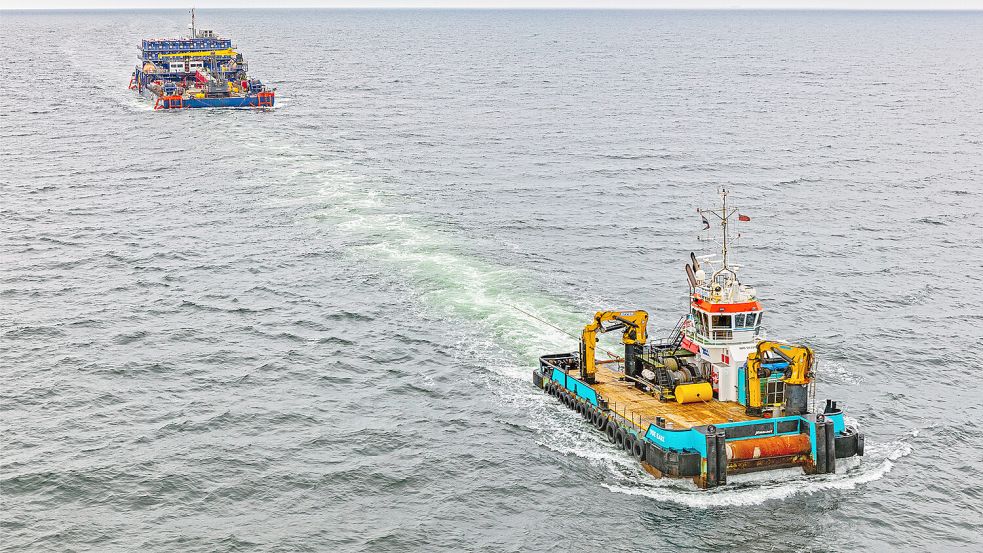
(800, 361)
(633, 324)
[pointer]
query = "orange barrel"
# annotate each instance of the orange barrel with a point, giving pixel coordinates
(775, 446)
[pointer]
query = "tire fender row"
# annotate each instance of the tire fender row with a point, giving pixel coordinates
(616, 433)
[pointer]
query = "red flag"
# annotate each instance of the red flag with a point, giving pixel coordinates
(744, 218)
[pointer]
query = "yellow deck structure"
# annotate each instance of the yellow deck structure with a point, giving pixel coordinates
(642, 408)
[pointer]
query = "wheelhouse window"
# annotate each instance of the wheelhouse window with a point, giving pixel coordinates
(722, 321)
(739, 320)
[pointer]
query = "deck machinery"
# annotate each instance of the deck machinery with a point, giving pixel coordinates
(714, 397)
(199, 71)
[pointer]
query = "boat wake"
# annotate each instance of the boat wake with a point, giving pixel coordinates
(499, 303)
(502, 306)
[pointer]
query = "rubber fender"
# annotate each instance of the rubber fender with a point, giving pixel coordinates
(620, 437)
(691, 393)
(860, 444)
(638, 449)
(612, 431)
(629, 444)
(598, 420)
(587, 413)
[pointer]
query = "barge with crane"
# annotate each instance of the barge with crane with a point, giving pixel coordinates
(713, 398)
(203, 70)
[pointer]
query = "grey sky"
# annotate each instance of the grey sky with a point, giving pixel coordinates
(800, 4)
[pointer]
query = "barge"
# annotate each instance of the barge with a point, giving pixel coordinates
(713, 398)
(203, 70)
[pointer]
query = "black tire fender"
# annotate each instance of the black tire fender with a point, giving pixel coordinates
(638, 449)
(612, 431)
(620, 438)
(629, 442)
(599, 420)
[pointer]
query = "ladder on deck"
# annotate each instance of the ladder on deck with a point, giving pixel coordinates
(675, 339)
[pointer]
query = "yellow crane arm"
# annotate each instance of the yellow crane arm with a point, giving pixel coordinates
(800, 361)
(634, 324)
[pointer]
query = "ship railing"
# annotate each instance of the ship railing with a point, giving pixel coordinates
(723, 334)
(629, 417)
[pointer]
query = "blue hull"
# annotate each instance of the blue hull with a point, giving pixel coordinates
(266, 100)
(240, 102)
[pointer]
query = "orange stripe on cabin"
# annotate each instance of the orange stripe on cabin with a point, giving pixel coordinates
(726, 307)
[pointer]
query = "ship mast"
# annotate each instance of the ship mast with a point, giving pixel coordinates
(723, 222)
(194, 32)
(724, 216)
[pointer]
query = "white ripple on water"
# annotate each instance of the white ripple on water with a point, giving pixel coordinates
(835, 371)
(453, 284)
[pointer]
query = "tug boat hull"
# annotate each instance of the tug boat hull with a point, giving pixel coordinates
(261, 100)
(704, 441)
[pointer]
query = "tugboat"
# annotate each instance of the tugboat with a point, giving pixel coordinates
(714, 397)
(200, 71)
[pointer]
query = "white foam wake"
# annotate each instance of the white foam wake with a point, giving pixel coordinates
(453, 284)
(449, 283)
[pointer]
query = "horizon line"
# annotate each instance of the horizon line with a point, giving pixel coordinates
(514, 8)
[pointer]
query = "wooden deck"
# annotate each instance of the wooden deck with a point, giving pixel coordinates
(642, 408)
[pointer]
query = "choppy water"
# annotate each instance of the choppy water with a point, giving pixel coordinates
(293, 330)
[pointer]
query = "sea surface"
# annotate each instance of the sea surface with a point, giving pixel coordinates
(299, 329)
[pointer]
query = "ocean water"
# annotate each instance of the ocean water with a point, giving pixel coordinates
(297, 329)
